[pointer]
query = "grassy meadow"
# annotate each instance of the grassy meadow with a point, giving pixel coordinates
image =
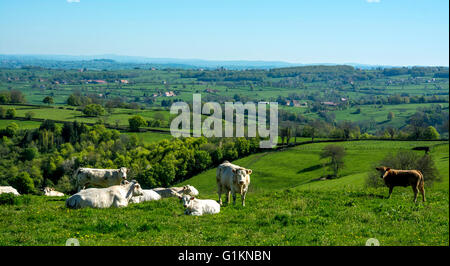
(286, 205)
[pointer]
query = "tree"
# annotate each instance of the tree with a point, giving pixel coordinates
(93, 110)
(11, 113)
(17, 96)
(29, 115)
(23, 183)
(136, 122)
(11, 129)
(48, 100)
(390, 116)
(336, 155)
(431, 133)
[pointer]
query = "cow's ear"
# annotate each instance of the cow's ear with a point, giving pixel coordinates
(249, 171)
(192, 198)
(387, 168)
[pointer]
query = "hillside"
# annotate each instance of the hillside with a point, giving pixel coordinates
(284, 207)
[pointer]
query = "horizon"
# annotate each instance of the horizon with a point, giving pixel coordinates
(294, 64)
(378, 33)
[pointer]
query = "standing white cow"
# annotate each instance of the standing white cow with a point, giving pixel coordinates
(199, 207)
(52, 193)
(9, 189)
(100, 178)
(148, 195)
(176, 191)
(232, 178)
(114, 196)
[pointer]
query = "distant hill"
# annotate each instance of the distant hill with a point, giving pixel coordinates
(111, 62)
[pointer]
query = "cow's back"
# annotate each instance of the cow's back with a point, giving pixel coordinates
(403, 178)
(224, 174)
(98, 177)
(91, 197)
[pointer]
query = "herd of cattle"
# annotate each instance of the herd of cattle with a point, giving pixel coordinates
(110, 188)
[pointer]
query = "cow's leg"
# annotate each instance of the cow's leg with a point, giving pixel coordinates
(234, 197)
(228, 196)
(243, 198)
(415, 190)
(219, 192)
(422, 191)
(390, 192)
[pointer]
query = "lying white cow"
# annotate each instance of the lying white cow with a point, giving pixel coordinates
(52, 193)
(114, 196)
(9, 189)
(100, 178)
(148, 195)
(198, 206)
(176, 191)
(232, 178)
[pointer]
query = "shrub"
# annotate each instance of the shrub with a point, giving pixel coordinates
(10, 113)
(8, 199)
(29, 115)
(29, 154)
(431, 133)
(24, 184)
(136, 122)
(93, 110)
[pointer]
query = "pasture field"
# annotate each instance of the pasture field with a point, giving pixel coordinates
(285, 206)
(118, 116)
(22, 124)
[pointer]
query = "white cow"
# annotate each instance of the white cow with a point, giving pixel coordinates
(52, 193)
(176, 191)
(199, 207)
(100, 178)
(114, 196)
(148, 195)
(232, 179)
(9, 189)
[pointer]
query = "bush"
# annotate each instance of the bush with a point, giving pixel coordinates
(29, 154)
(405, 160)
(24, 184)
(136, 122)
(93, 110)
(8, 199)
(29, 115)
(10, 113)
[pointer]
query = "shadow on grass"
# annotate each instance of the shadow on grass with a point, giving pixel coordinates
(309, 169)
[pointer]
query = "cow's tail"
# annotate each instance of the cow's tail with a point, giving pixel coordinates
(74, 177)
(218, 173)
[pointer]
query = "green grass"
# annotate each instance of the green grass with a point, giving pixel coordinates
(284, 207)
(22, 124)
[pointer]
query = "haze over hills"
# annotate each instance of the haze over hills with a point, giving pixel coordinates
(111, 61)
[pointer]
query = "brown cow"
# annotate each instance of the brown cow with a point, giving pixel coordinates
(404, 178)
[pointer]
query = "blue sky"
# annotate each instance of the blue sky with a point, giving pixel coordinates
(388, 32)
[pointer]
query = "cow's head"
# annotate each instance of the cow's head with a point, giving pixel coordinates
(190, 190)
(136, 188)
(123, 172)
(187, 200)
(383, 171)
(241, 176)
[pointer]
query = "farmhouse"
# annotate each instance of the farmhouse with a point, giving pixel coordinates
(169, 94)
